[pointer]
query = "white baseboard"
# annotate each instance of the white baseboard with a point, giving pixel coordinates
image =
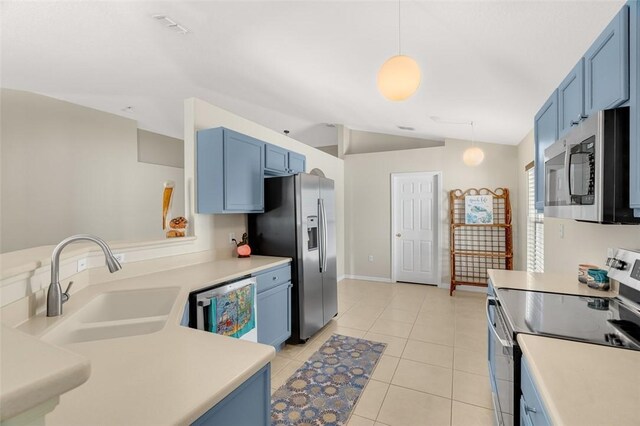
(340, 278)
(471, 288)
(362, 277)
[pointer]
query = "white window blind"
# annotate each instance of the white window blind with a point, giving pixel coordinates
(535, 229)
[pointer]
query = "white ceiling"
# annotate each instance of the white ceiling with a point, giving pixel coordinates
(296, 65)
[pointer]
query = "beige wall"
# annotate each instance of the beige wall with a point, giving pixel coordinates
(368, 196)
(68, 169)
(212, 230)
(581, 243)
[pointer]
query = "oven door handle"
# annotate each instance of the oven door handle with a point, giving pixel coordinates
(492, 301)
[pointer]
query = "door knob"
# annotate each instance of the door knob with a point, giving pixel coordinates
(398, 235)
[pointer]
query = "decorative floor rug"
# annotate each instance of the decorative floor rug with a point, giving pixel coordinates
(324, 390)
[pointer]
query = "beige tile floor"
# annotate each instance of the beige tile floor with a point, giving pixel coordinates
(434, 369)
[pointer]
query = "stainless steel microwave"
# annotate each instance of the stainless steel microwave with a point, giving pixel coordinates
(587, 171)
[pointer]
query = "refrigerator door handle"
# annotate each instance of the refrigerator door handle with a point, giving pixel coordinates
(323, 233)
(320, 234)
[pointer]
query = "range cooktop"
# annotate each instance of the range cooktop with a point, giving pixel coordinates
(602, 321)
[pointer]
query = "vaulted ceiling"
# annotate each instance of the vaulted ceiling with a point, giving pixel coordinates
(297, 65)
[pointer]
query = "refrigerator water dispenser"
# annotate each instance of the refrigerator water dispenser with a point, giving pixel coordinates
(312, 232)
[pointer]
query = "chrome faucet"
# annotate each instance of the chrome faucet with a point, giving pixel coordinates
(55, 296)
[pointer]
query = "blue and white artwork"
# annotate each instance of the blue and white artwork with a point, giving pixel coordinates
(478, 209)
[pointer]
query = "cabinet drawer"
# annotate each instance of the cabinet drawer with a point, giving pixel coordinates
(531, 404)
(273, 277)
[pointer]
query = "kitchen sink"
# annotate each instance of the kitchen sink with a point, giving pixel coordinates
(116, 314)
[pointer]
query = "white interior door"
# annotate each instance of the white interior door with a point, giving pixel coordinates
(415, 227)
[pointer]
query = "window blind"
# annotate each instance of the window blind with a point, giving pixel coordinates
(535, 228)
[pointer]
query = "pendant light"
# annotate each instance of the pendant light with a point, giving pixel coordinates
(399, 76)
(473, 155)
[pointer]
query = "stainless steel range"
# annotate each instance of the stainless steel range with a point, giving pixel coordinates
(596, 320)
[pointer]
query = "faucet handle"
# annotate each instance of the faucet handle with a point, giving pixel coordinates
(66, 296)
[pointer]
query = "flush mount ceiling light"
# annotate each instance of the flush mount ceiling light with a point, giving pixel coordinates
(473, 155)
(399, 76)
(170, 23)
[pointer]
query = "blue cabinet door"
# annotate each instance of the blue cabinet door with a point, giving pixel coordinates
(229, 172)
(634, 103)
(209, 171)
(571, 99)
(248, 405)
(297, 163)
(607, 66)
(530, 403)
(276, 160)
(243, 173)
(545, 133)
(274, 315)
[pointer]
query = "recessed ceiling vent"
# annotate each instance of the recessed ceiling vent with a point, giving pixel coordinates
(411, 129)
(171, 24)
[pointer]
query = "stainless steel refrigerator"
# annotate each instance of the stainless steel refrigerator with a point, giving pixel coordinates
(299, 222)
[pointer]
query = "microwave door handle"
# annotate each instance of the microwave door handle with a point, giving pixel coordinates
(502, 341)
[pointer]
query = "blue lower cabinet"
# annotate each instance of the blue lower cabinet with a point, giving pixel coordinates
(248, 405)
(274, 305)
(274, 315)
(532, 411)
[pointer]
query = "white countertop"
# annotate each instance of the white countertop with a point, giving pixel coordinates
(172, 376)
(546, 282)
(582, 383)
(34, 372)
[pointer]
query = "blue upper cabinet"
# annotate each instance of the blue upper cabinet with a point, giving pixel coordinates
(634, 104)
(607, 66)
(229, 172)
(545, 133)
(276, 160)
(297, 163)
(280, 162)
(571, 99)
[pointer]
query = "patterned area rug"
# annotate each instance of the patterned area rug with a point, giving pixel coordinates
(324, 390)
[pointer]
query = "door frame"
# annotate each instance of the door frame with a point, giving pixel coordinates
(438, 212)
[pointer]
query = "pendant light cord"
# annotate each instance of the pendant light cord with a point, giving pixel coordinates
(473, 137)
(399, 38)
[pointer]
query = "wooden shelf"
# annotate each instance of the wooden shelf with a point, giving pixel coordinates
(478, 247)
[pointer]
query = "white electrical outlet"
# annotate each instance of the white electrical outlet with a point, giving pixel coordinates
(370, 258)
(82, 264)
(119, 257)
(232, 236)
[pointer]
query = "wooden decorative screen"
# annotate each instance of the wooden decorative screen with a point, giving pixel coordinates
(478, 247)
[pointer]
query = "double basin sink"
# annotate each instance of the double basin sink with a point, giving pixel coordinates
(116, 314)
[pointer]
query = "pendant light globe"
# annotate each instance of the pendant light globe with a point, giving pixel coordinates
(399, 78)
(473, 156)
